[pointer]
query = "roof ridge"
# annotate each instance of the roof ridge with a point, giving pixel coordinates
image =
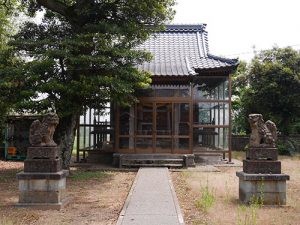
(185, 27)
(223, 59)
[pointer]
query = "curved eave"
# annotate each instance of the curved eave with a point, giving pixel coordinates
(225, 70)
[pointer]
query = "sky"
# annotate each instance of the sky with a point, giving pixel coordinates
(238, 27)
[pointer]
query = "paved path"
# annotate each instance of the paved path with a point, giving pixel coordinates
(151, 200)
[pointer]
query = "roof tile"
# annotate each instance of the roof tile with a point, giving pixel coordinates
(180, 50)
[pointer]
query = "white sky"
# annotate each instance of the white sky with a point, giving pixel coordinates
(235, 26)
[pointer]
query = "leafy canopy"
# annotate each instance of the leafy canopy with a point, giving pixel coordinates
(83, 52)
(271, 86)
(7, 59)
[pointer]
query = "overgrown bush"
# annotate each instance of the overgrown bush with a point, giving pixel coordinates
(284, 148)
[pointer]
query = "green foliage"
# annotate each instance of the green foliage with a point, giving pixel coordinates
(247, 215)
(270, 86)
(295, 127)
(87, 175)
(239, 87)
(206, 200)
(286, 146)
(282, 148)
(83, 54)
(7, 220)
(7, 59)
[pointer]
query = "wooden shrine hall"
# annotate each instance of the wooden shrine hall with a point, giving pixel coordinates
(185, 113)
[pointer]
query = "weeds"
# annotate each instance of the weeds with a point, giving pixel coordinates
(86, 175)
(187, 174)
(7, 221)
(247, 215)
(207, 199)
(227, 195)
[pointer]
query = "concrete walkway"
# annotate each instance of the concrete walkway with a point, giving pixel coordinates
(151, 200)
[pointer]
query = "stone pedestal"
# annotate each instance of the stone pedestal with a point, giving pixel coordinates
(261, 166)
(259, 153)
(261, 177)
(43, 183)
(270, 188)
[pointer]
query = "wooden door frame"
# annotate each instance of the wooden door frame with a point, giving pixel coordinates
(154, 101)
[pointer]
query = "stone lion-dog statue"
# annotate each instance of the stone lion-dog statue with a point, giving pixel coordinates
(41, 133)
(263, 134)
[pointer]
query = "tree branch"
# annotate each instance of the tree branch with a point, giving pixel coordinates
(55, 5)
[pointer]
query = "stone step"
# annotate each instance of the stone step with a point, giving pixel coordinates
(208, 158)
(152, 162)
(152, 165)
(170, 160)
(151, 156)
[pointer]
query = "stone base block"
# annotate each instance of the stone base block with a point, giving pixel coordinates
(262, 154)
(43, 165)
(261, 166)
(47, 190)
(189, 160)
(37, 176)
(270, 189)
(42, 152)
(207, 158)
(42, 185)
(46, 206)
(54, 197)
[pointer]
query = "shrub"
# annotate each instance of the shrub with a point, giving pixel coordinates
(207, 199)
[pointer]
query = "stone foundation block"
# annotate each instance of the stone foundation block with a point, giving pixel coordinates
(189, 160)
(46, 206)
(42, 153)
(43, 165)
(271, 189)
(262, 154)
(42, 190)
(42, 185)
(261, 166)
(38, 176)
(41, 196)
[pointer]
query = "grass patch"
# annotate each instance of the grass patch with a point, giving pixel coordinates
(7, 221)
(87, 175)
(186, 174)
(206, 200)
(240, 155)
(8, 175)
(247, 215)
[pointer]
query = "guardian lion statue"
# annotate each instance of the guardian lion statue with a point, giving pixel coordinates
(263, 134)
(41, 133)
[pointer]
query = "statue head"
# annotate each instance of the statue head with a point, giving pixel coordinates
(252, 118)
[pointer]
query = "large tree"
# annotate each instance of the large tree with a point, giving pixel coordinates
(7, 59)
(271, 86)
(83, 54)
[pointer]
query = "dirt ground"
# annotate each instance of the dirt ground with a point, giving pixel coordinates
(97, 198)
(226, 209)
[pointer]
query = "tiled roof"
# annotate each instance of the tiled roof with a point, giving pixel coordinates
(181, 50)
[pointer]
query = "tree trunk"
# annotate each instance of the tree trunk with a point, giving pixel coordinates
(65, 136)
